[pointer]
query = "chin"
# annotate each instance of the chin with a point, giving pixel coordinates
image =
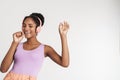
(27, 37)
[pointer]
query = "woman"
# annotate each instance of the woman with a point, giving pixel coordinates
(29, 55)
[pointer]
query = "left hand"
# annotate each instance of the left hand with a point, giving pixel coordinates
(63, 28)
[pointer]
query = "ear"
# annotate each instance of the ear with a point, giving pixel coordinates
(38, 29)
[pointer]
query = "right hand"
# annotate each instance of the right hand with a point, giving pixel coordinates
(18, 36)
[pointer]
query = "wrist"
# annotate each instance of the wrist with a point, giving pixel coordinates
(63, 35)
(15, 43)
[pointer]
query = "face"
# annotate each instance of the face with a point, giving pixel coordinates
(29, 28)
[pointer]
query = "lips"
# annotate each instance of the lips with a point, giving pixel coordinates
(27, 32)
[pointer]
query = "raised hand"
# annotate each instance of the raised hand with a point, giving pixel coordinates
(18, 36)
(63, 28)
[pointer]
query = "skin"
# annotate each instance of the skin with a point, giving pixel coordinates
(30, 33)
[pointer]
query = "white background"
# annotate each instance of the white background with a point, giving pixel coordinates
(93, 37)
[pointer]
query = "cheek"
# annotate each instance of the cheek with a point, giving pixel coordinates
(33, 30)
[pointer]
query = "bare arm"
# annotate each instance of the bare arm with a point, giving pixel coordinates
(62, 60)
(8, 59)
(65, 51)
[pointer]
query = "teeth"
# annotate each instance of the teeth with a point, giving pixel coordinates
(27, 32)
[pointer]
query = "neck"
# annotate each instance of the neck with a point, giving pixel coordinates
(32, 41)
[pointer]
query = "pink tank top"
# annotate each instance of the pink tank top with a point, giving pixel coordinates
(28, 62)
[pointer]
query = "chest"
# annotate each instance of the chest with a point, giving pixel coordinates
(30, 47)
(29, 54)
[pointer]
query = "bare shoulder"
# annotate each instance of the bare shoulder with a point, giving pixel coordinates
(48, 47)
(47, 50)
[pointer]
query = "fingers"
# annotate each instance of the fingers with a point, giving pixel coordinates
(64, 24)
(60, 25)
(63, 28)
(18, 34)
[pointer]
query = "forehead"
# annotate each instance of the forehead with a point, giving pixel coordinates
(29, 21)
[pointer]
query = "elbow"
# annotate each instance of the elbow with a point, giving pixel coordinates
(65, 65)
(3, 70)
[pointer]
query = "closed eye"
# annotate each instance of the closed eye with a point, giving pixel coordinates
(30, 26)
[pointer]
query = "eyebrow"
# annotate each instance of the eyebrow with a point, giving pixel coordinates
(25, 24)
